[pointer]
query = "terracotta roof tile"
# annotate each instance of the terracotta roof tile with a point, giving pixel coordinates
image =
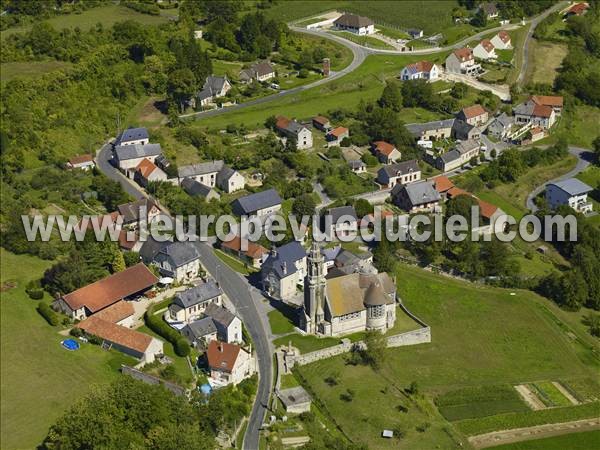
(254, 250)
(463, 54)
(548, 100)
(321, 120)
(504, 36)
(116, 334)
(282, 122)
(339, 131)
(384, 148)
(80, 159)
(487, 45)
(442, 184)
(109, 290)
(473, 111)
(116, 312)
(146, 167)
(542, 110)
(222, 356)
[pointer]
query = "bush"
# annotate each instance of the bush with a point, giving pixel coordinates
(36, 294)
(182, 347)
(76, 332)
(160, 327)
(303, 73)
(47, 313)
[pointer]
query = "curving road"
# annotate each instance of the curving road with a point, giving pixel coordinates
(584, 158)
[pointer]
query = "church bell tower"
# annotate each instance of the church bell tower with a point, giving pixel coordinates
(314, 290)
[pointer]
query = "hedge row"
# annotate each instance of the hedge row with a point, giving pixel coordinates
(47, 313)
(160, 327)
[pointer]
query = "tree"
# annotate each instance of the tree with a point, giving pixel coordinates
(271, 122)
(596, 145)
(131, 258)
(391, 97)
(459, 90)
(493, 153)
(592, 321)
(375, 353)
(362, 207)
(181, 86)
(304, 205)
(479, 19)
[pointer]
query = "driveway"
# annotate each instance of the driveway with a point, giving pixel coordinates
(103, 158)
(501, 90)
(584, 158)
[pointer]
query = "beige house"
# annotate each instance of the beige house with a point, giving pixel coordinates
(348, 303)
(178, 260)
(83, 162)
(399, 173)
(213, 174)
(147, 172)
(190, 305)
(355, 24)
(420, 196)
(128, 157)
(473, 115)
(485, 50)
(283, 271)
(502, 41)
(295, 130)
(295, 400)
(228, 363)
(386, 152)
(462, 61)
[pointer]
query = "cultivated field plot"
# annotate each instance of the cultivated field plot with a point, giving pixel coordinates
(546, 60)
(546, 394)
(574, 441)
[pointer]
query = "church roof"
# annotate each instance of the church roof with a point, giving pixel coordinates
(352, 293)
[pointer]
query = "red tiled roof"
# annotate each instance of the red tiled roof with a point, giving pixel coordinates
(80, 159)
(473, 111)
(504, 36)
(116, 312)
(486, 209)
(578, 8)
(542, 110)
(339, 131)
(100, 221)
(384, 148)
(421, 66)
(537, 130)
(282, 122)
(321, 120)
(109, 290)
(117, 334)
(442, 183)
(487, 45)
(555, 101)
(254, 250)
(222, 356)
(456, 191)
(146, 167)
(464, 54)
(124, 243)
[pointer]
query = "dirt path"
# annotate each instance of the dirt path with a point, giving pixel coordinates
(530, 397)
(537, 432)
(566, 393)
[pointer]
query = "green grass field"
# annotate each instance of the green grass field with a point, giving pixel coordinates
(280, 323)
(40, 379)
(234, 263)
(470, 348)
(106, 15)
(546, 59)
(551, 393)
(367, 41)
(573, 441)
(30, 69)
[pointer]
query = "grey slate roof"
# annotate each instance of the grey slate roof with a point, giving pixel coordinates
(504, 120)
(202, 327)
(200, 169)
(340, 211)
(195, 188)
(294, 396)
(133, 134)
(573, 186)
(421, 192)
(524, 109)
(225, 174)
(356, 164)
(401, 168)
(179, 253)
(253, 202)
(125, 152)
(450, 156)
(461, 128)
(198, 294)
(219, 314)
(287, 255)
(353, 21)
(466, 146)
(131, 211)
(150, 249)
(416, 129)
(212, 85)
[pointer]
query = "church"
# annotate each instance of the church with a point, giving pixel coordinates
(348, 303)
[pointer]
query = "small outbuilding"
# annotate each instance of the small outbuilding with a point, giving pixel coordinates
(295, 400)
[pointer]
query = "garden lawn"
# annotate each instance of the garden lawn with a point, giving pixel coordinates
(367, 41)
(280, 324)
(234, 263)
(106, 15)
(572, 441)
(40, 379)
(29, 69)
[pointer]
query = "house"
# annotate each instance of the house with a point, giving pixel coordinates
(416, 197)
(571, 192)
(473, 115)
(386, 152)
(537, 133)
(83, 162)
(284, 270)
(212, 174)
(260, 204)
(442, 185)
(463, 131)
(200, 332)
(261, 71)
(460, 155)
(133, 136)
(197, 189)
(553, 101)
(355, 24)
(462, 61)
(88, 300)
(121, 313)
(295, 400)
(488, 213)
(502, 41)
(131, 342)
(490, 10)
(534, 114)
(578, 9)
(346, 304)
(147, 172)
(340, 227)
(336, 136)
(420, 70)
(178, 260)
(501, 126)
(485, 50)
(340, 262)
(214, 87)
(415, 33)
(295, 130)
(190, 305)
(357, 166)
(321, 123)
(253, 255)
(399, 173)
(134, 212)
(439, 129)
(128, 157)
(229, 326)
(228, 363)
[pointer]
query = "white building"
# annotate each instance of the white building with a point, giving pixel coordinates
(190, 305)
(83, 162)
(295, 130)
(399, 173)
(178, 260)
(462, 61)
(344, 221)
(282, 273)
(133, 136)
(571, 192)
(485, 50)
(213, 174)
(420, 70)
(355, 24)
(260, 204)
(502, 41)
(128, 157)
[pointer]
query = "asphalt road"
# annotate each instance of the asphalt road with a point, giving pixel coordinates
(103, 163)
(584, 158)
(244, 298)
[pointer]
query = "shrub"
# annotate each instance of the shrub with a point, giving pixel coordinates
(303, 73)
(36, 294)
(160, 327)
(76, 332)
(182, 347)
(47, 313)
